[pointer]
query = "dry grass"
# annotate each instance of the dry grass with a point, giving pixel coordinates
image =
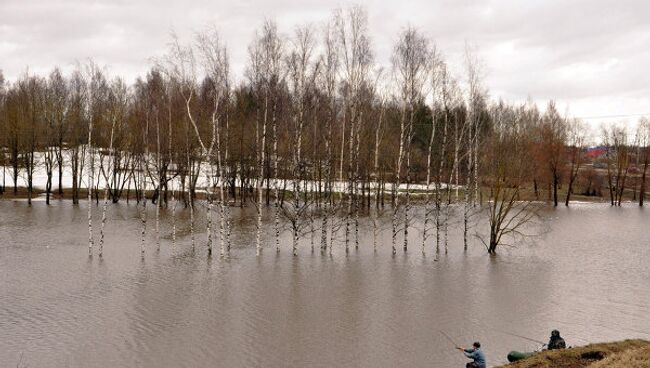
(622, 354)
(633, 358)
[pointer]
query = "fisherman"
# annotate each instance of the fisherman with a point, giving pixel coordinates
(476, 354)
(556, 342)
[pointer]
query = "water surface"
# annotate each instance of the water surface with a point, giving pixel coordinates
(587, 276)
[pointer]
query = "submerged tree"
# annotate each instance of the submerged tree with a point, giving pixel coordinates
(356, 59)
(302, 72)
(115, 114)
(615, 139)
(265, 75)
(506, 171)
(576, 142)
(643, 144)
(476, 116)
(411, 65)
(553, 134)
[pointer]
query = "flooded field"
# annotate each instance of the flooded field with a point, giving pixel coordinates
(586, 274)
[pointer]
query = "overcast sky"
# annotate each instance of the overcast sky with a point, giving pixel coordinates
(591, 56)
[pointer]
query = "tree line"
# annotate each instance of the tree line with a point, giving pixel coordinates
(315, 136)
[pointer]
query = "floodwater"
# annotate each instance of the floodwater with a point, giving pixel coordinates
(586, 274)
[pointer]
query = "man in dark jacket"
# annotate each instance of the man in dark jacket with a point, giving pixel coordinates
(556, 342)
(476, 354)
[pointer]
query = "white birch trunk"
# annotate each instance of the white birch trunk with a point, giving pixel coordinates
(328, 146)
(276, 177)
(407, 204)
(91, 174)
(108, 173)
(467, 189)
(398, 173)
(260, 180)
(143, 215)
(171, 183)
(158, 185)
(223, 214)
(427, 202)
(441, 166)
(356, 176)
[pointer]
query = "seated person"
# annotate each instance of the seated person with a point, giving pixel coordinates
(556, 342)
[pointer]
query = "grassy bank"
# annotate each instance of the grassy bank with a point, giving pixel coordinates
(620, 354)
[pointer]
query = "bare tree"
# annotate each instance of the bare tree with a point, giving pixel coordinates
(553, 131)
(56, 110)
(356, 60)
(411, 60)
(615, 139)
(180, 65)
(78, 131)
(330, 63)
(216, 66)
(116, 112)
(265, 73)
(31, 98)
(302, 72)
(643, 141)
(12, 133)
(576, 141)
(448, 94)
(3, 130)
(97, 89)
(506, 172)
(477, 96)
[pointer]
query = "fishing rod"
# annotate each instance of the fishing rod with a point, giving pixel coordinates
(501, 331)
(522, 337)
(448, 338)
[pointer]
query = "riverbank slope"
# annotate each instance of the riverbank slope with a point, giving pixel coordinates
(619, 354)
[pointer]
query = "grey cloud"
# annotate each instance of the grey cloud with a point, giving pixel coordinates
(579, 52)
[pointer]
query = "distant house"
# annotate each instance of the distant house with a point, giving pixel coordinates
(595, 152)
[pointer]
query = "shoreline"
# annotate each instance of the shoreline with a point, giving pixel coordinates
(617, 354)
(416, 196)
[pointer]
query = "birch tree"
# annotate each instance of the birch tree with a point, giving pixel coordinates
(411, 65)
(180, 64)
(116, 112)
(356, 59)
(96, 92)
(264, 72)
(435, 106)
(302, 72)
(216, 67)
(477, 96)
(446, 85)
(330, 62)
